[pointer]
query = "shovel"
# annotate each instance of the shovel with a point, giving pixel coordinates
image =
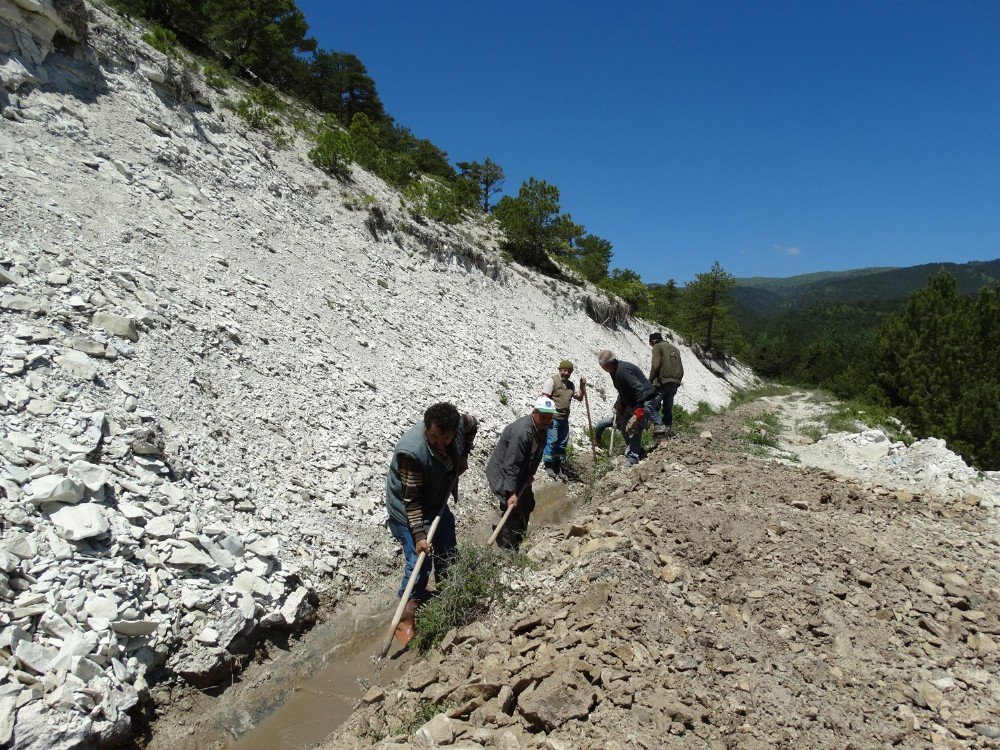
(413, 578)
(510, 508)
(590, 424)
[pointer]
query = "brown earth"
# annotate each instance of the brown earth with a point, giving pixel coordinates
(706, 598)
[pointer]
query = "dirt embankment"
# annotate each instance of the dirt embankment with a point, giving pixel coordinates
(709, 599)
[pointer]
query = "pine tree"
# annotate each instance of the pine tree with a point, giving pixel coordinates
(535, 228)
(939, 363)
(488, 178)
(706, 317)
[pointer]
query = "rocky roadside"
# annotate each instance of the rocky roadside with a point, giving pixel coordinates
(709, 599)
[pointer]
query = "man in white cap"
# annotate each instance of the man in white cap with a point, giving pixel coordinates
(512, 465)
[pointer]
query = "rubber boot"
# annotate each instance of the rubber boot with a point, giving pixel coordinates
(405, 630)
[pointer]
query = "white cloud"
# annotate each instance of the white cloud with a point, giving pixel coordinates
(788, 250)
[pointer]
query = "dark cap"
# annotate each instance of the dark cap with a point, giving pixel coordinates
(655, 336)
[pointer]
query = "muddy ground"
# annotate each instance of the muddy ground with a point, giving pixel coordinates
(706, 598)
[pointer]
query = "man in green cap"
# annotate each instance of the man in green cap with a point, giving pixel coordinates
(562, 391)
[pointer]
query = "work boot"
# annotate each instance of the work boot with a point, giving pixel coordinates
(405, 630)
(550, 472)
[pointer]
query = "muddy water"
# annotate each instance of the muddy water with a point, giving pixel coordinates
(322, 702)
(552, 505)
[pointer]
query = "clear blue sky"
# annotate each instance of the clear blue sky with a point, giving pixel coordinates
(777, 137)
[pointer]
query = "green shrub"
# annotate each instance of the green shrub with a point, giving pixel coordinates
(333, 150)
(161, 39)
(262, 109)
(438, 198)
(396, 169)
(473, 585)
(216, 77)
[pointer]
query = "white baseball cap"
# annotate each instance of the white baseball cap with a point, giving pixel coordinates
(545, 405)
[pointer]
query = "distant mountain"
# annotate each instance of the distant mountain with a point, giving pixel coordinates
(767, 297)
(787, 283)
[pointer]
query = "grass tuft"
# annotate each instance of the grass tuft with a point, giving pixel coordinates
(747, 395)
(473, 586)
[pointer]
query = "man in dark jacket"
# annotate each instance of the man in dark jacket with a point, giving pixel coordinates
(512, 467)
(665, 372)
(423, 471)
(638, 403)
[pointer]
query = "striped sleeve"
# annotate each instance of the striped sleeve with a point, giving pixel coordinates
(471, 426)
(411, 476)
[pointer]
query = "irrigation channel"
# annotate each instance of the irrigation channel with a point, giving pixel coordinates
(296, 701)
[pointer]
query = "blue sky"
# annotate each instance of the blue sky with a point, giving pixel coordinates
(776, 137)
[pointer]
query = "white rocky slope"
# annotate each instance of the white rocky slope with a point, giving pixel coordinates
(207, 356)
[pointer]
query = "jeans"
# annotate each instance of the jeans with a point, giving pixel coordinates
(600, 428)
(512, 533)
(667, 393)
(555, 442)
(444, 544)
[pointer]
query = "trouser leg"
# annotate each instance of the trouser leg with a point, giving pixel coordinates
(403, 535)
(634, 451)
(652, 408)
(561, 427)
(445, 546)
(600, 428)
(512, 533)
(667, 392)
(551, 439)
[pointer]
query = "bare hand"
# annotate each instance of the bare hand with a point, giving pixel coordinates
(512, 501)
(583, 381)
(424, 546)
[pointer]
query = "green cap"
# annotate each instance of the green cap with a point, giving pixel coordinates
(565, 365)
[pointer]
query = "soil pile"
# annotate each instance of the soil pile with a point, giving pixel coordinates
(709, 599)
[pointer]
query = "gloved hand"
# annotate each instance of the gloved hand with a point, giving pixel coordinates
(635, 422)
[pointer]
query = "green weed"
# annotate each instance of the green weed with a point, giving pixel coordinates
(763, 430)
(216, 77)
(812, 431)
(747, 395)
(687, 421)
(423, 712)
(473, 585)
(161, 39)
(850, 416)
(262, 109)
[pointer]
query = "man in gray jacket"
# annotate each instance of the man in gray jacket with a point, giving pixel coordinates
(512, 467)
(423, 471)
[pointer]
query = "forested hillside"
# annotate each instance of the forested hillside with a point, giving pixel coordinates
(932, 358)
(865, 285)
